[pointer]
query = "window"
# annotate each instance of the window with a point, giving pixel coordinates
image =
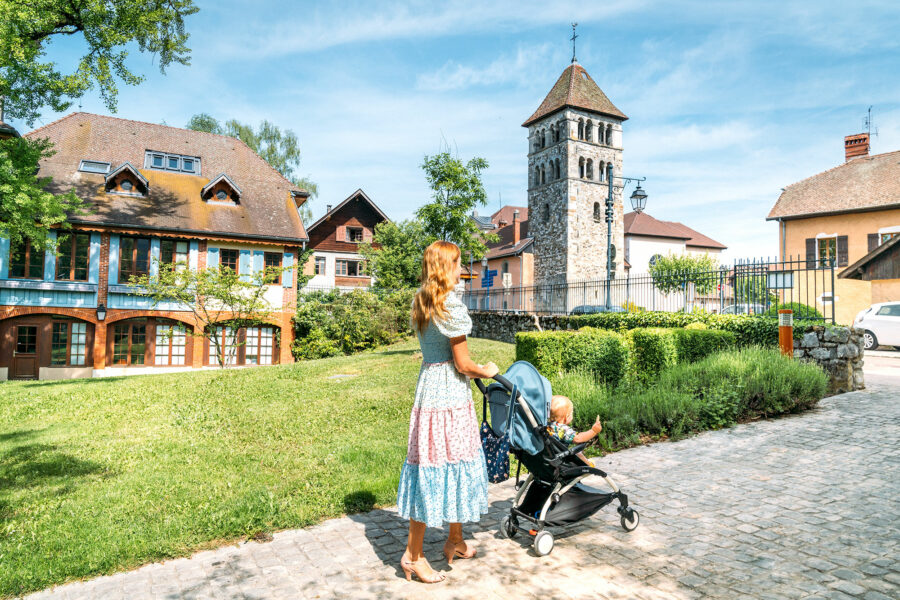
(68, 344)
(589, 172)
(354, 234)
(227, 338)
(320, 265)
(134, 257)
(126, 185)
(221, 195)
(25, 262)
(581, 167)
(72, 262)
(654, 259)
(597, 214)
(272, 260)
(505, 268)
(827, 251)
(609, 135)
(602, 171)
(129, 343)
(891, 310)
(580, 129)
(171, 344)
(589, 128)
(26, 339)
(172, 162)
(260, 341)
(886, 237)
(173, 252)
(229, 258)
(94, 166)
(543, 175)
(546, 212)
(348, 268)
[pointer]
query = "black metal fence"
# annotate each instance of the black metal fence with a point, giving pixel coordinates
(746, 287)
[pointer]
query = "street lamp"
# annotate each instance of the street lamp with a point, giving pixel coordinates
(638, 202)
(101, 311)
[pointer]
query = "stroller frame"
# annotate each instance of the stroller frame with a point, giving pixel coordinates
(568, 472)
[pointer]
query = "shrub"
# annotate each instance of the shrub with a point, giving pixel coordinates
(696, 325)
(693, 344)
(543, 349)
(632, 307)
(652, 350)
(801, 311)
(603, 353)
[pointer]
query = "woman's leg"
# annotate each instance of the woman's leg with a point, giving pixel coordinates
(456, 534)
(413, 560)
(415, 541)
(456, 544)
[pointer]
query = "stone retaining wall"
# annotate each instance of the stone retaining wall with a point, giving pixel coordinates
(838, 350)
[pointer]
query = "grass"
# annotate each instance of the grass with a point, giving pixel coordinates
(106, 474)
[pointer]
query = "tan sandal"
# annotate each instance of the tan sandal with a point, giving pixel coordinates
(451, 551)
(411, 568)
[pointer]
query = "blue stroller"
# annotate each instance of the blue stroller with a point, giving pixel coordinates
(552, 494)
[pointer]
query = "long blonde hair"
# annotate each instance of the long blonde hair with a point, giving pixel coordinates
(436, 280)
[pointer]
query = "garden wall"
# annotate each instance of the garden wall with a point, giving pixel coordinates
(838, 350)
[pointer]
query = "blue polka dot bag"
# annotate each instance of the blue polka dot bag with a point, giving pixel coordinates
(496, 450)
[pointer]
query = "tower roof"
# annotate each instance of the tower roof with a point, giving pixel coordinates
(575, 88)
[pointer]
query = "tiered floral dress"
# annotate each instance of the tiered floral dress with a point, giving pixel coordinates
(444, 478)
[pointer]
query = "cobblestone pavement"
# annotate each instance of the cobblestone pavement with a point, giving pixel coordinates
(798, 507)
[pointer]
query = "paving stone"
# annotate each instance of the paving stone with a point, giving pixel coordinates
(761, 510)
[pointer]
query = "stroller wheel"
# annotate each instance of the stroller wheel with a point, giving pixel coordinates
(543, 543)
(508, 528)
(630, 520)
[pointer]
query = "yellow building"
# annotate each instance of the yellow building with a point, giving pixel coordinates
(838, 217)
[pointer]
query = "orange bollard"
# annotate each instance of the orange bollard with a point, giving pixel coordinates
(786, 331)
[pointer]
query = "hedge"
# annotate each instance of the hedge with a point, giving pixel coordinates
(603, 353)
(693, 344)
(652, 350)
(749, 330)
(801, 310)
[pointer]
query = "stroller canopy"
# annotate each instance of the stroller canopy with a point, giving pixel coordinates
(509, 415)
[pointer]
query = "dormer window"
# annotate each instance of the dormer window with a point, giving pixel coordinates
(126, 180)
(166, 161)
(94, 166)
(221, 190)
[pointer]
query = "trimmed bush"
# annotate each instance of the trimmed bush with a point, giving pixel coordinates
(597, 351)
(693, 344)
(543, 349)
(696, 325)
(652, 350)
(801, 311)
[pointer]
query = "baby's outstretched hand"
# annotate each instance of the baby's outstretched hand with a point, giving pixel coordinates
(597, 427)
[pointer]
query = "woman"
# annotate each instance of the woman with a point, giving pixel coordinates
(444, 477)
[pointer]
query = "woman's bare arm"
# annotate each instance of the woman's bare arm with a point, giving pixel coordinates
(465, 364)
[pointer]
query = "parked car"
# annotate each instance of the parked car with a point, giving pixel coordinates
(881, 323)
(589, 309)
(744, 309)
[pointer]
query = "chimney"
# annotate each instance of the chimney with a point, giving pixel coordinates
(517, 224)
(856, 146)
(328, 208)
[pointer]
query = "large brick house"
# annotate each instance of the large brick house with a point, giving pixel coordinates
(156, 194)
(335, 240)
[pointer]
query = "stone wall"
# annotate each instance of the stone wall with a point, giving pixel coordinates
(838, 350)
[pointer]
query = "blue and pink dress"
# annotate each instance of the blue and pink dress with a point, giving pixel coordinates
(444, 478)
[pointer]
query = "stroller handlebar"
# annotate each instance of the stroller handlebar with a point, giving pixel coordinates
(499, 379)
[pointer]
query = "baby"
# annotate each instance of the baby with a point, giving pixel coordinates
(561, 411)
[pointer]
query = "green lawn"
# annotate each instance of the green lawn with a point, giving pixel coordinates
(106, 474)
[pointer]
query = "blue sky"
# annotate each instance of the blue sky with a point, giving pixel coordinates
(728, 102)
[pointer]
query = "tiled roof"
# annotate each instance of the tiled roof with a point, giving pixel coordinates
(865, 183)
(575, 88)
(266, 209)
(695, 239)
(483, 222)
(505, 213)
(640, 223)
(506, 246)
(357, 194)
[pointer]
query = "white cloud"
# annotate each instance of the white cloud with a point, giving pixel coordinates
(528, 63)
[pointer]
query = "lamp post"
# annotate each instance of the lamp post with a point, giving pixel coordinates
(638, 202)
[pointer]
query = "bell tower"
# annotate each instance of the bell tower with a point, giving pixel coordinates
(572, 137)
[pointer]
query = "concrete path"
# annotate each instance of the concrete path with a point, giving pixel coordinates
(799, 507)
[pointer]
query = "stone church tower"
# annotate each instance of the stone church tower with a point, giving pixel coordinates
(572, 137)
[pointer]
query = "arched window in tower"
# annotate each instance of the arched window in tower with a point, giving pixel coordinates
(543, 175)
(597, 214)
(580, 129)
(546, 212)
(590, 169)
(601, 168)
(608, 134)
(558, 170)
(588, 130)
(537, 176)
(543, 138)
(581, 167)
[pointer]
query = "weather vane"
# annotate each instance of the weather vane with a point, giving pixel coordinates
(574, 36)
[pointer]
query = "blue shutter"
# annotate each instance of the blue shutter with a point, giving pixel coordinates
(193, 255)
(50, 258)
(154, 257)
(259, 262)
(212, 257)
(4, 258)
(245, 263)
(287, 277)
(113, 259)
(94, 259)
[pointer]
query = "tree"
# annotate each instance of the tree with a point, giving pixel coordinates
(27, 211)
(673, 272)
(398, 262)
(456, 191)
(281, 149)
(216, 296)
(28, 82)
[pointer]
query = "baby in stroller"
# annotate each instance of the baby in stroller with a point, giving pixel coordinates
(561, 414)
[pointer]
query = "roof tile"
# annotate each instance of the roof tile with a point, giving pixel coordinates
(575, 88)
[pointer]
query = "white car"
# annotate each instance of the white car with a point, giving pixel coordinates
(881, 323)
